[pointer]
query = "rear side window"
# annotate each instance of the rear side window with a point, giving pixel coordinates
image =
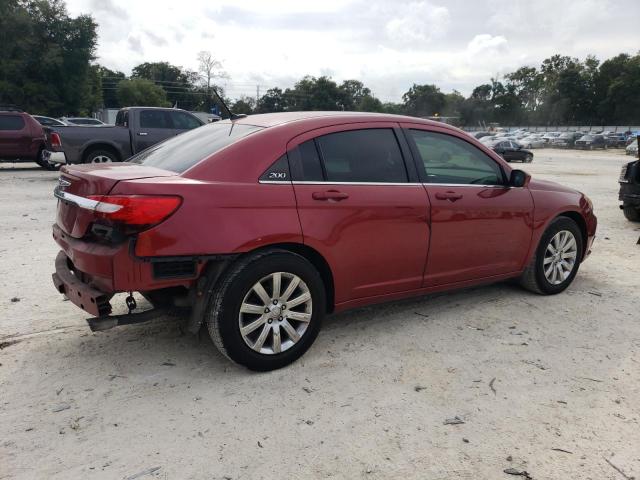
(184, 121)
(122, 118)
(11, 122)
(154, 119)
(449, 159)
(371, 155)
(185, 150)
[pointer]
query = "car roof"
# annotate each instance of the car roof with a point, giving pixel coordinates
(315, 117)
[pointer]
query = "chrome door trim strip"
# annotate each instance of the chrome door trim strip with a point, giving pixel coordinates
(404, 184)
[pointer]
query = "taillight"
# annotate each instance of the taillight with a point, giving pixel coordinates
(135, 210)
(55, 140)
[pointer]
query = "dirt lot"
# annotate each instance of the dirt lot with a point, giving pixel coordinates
(549, 385)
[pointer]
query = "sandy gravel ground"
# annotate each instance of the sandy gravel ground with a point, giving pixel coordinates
(546, 385)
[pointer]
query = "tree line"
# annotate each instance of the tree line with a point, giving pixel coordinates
(47, 66)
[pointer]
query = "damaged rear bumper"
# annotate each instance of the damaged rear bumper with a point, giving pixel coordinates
(91, 300)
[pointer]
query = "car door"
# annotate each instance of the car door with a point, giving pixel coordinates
(154, 125)
(516, 152)
(480, 226)
(362, 207)
(15, 137)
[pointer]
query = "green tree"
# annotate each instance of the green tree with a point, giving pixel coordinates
(141, 92)
(424, 100)
(244, 105)
(45, 57)
(272, 101)
(109, 80)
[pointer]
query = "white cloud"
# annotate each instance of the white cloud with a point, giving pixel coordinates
(486, 44)
(389, 45)
(418, 23)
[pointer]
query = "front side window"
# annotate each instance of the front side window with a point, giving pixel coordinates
(154, 119)
(449, 159)
(371, 155)
(11, 122)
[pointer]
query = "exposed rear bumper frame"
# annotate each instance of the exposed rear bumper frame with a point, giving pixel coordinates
(82, 295)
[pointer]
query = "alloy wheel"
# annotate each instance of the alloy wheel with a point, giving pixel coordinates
(560, 257)
(275, 313)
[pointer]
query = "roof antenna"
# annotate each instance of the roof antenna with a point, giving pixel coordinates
(232, 116)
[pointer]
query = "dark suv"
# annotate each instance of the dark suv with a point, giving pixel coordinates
(630, 189)
(21, 137)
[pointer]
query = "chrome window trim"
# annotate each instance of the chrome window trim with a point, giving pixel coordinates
(306, 182)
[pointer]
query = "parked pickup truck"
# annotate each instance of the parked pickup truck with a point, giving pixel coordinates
(136, 128)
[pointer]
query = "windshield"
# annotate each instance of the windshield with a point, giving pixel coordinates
(183, 151)
(587, 137)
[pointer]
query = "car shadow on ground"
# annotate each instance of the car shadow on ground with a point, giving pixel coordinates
(154, 347)
(159, 349)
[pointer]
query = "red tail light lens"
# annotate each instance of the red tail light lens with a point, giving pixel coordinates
(136, 210)
(55, 140)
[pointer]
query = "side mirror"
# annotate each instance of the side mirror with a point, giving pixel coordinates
(519, 178)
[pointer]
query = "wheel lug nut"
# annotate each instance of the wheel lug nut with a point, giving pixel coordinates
(275, 302)
(280, 318)
(266, 310)
(270, 321)
(284, 306)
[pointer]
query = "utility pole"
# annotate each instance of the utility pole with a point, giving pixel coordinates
(257, 95)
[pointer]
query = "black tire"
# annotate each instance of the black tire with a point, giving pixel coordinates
(223, 310)
(631, 213)
(533, 278)
(528, 158)
(97, 156)
(52, 167)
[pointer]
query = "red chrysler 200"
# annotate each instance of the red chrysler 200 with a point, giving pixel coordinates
(259, 226)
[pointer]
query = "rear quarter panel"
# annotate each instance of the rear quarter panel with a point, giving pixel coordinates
(217, 218)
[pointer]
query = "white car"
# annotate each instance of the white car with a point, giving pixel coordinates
(532, 141)
(549, 136)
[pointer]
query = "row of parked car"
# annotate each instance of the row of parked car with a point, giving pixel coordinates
(574, 139)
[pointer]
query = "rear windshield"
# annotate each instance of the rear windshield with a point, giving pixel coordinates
(184, 151)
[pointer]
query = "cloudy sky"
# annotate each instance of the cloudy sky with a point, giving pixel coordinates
(389, 45)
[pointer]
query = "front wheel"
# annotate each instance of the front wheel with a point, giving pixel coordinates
(556, 260)
(267, 310)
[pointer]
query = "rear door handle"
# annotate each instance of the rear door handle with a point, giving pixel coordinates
(142, 134)
(330, 195)
(452, 196)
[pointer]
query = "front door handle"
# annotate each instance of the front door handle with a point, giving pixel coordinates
(330, 195)
(452, 196)
(142, 134)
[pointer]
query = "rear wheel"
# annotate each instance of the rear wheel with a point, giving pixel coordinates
(100, 156)
(267, 310)
(528, 158)
(556, 260)
(631, 213)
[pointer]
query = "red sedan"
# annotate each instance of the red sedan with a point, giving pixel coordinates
(260, 226)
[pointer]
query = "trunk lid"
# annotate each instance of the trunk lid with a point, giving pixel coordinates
(84, 180)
